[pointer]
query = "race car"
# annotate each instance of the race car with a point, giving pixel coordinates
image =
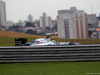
(41, 41)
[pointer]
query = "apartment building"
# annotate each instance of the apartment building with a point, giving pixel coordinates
(72, 24)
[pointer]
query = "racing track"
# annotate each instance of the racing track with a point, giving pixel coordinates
(50, 53)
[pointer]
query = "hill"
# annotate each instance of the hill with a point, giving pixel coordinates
(8, 38)
(15, 34)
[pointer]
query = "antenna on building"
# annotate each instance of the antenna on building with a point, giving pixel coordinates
(91, 9)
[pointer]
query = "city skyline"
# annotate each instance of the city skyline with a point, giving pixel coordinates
(20, 9)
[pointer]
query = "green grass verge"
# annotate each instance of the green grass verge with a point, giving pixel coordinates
(54, 68)
(7, 41)
(10, 41)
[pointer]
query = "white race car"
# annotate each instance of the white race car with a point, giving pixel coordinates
(41, 41)
(46, 41)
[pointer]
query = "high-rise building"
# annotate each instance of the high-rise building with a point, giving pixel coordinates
(72, 24)
(50, 22)
(2, 13)
(45, 21)
(92, 19)
(41, 22)
(30, 18)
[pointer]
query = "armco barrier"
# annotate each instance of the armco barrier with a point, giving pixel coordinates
(50, 53)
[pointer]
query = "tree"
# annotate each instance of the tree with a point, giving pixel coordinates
(28, 24)
(30, 31)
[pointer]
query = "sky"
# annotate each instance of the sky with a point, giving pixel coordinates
(20, 9)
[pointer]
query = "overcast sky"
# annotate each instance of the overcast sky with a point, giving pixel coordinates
(20, 9)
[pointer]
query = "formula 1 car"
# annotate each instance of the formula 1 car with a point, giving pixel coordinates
(41, 41)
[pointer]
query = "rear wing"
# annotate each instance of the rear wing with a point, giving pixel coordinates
(20, 41)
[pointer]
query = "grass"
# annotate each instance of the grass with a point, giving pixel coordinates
(54, 68)
(16, 34)
(8, 38)
(82, 41)
(10, 41)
